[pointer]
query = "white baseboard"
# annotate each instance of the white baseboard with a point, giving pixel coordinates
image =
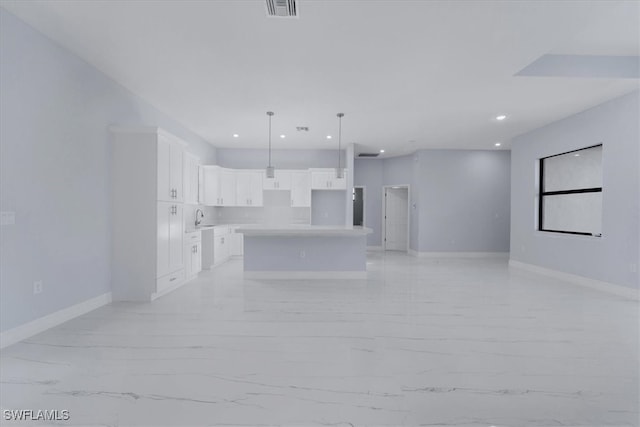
(458, 254)
(305, 275)
(34, 327)
(374, 248)
(599, 285)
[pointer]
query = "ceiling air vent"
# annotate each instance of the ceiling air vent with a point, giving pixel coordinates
(368, 154)
(282, 8)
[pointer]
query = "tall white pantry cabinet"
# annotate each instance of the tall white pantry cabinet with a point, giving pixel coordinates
(148, 227)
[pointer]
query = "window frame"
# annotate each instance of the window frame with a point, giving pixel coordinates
(543, 194)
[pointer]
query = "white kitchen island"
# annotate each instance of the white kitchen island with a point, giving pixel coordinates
(304, 252)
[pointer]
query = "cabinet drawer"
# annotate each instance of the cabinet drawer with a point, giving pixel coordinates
(193, 237)
(169, 280)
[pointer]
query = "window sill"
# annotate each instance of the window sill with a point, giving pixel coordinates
(554, 235)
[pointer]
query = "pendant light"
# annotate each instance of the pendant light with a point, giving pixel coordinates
(271, 171)
(339, 170)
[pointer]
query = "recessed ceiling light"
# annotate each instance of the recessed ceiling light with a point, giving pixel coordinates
(576, 155)
(497, 144)
(329, 137)
(283, 136)
(382, 151)
(235, 135)
(501, 117)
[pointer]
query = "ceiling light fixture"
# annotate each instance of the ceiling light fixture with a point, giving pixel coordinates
(271, 171)
(283, 136)
(329, 136)
(501, 117)
(382, 151)
(497, 144)
(339, 171)
(235, 135)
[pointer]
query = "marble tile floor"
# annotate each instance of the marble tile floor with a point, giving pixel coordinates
(430, 342)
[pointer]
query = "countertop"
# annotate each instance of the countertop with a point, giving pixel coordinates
(302, 230)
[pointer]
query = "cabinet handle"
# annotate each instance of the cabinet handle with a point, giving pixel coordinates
(172, 279)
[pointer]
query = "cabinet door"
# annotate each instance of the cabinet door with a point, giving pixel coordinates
(281, 180)
(188, 258)
(243, 188)
(227, 188)
(165, 192)
(211, 186)
(176, 236)
(190, 179)
(255, 188)
(300, 189)
(320, 179)
(217, 250)
(196, 265)
(165, 213)
(176, 171)
(226, 247)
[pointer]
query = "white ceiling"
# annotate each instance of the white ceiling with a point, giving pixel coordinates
(407, 74)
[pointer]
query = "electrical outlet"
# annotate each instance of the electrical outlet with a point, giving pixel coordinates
(37, 287)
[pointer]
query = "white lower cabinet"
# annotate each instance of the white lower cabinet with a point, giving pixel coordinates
(193, 254)
(169, 281)
(170, 233)
(237, 243)
(221, 244)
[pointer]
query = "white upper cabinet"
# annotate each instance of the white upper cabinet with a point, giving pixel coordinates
(210, 185)
(219, 186)
(300, 189)
(325, 179)
(281, 180)
(227, 189)
(191, 179)
(249, 187)
(170, 169)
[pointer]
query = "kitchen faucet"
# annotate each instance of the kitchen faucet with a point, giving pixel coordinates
(200, 217)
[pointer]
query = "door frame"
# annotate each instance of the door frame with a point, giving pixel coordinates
(364, 199)
(383, 237)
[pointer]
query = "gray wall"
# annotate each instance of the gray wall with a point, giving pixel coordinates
(459, 199)
(55, 171)
(464, 200)
(613, 257)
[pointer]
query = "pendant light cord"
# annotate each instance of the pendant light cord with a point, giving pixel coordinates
(270, 113)
(340, 115)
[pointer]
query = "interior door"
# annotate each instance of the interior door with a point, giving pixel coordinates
(395, 218)
(358, 206)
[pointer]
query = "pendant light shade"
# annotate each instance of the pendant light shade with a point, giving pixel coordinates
(339, 170)
(271, 171)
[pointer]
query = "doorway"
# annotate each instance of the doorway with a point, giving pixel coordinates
(396, 218)
(358, 206)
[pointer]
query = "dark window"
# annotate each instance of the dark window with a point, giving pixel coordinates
(571, 192)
